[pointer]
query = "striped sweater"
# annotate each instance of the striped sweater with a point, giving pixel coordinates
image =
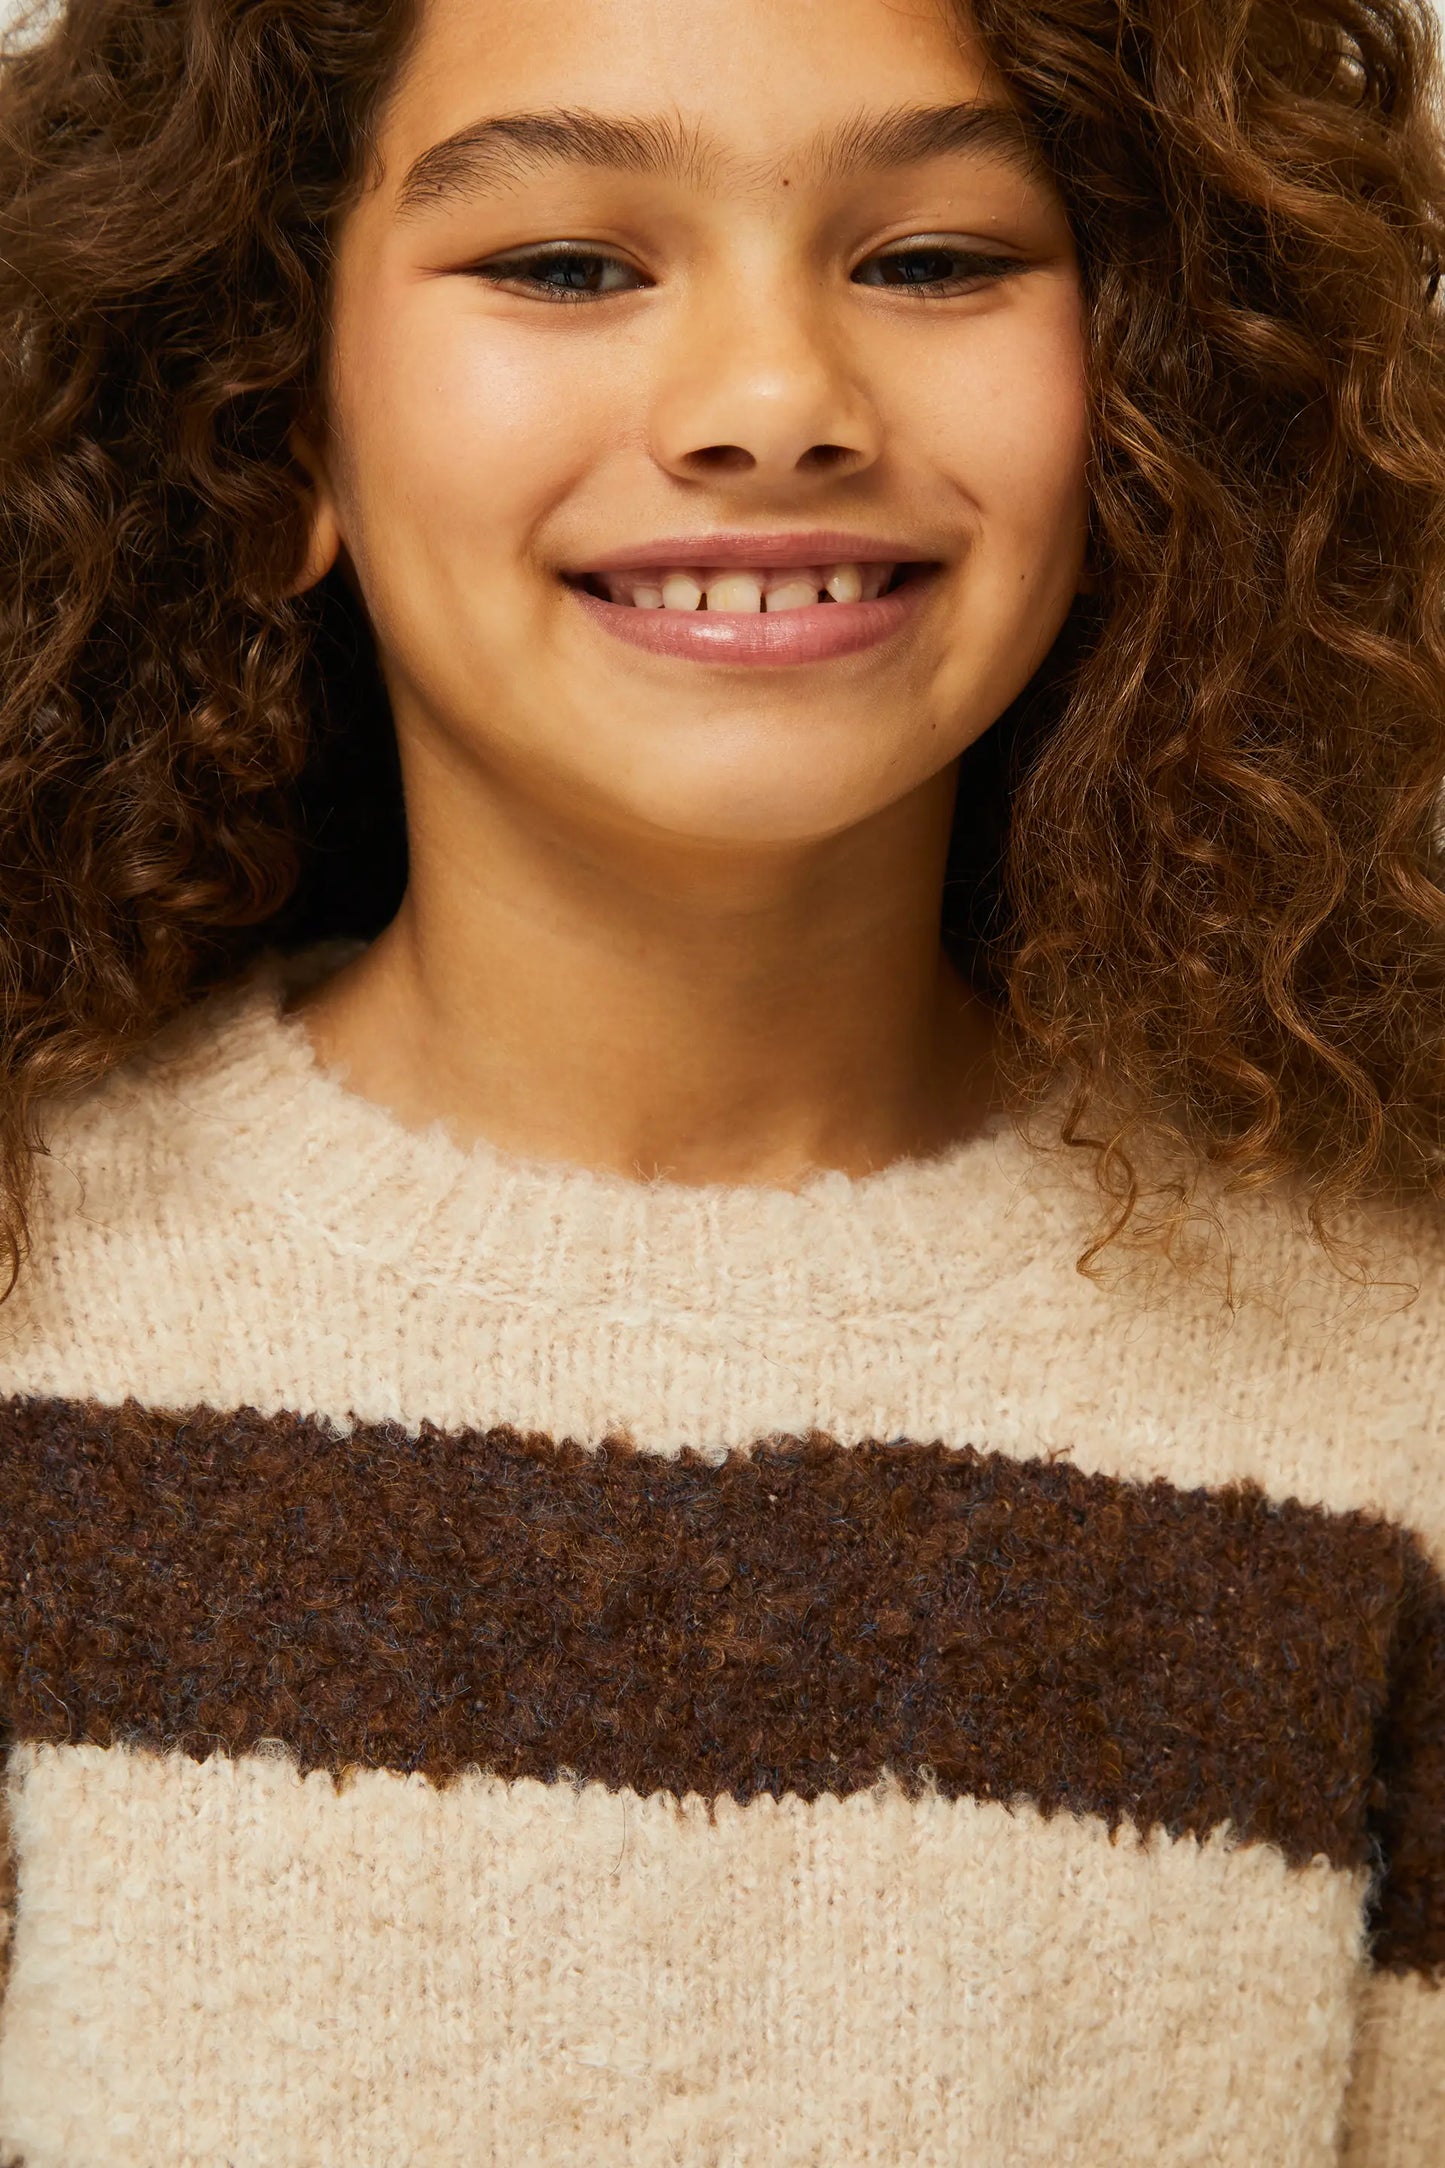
(501, 1664)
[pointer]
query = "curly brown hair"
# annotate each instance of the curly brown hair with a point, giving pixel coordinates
(1197, 863)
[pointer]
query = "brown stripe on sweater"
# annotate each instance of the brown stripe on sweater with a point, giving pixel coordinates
(792, 1619)
(1409, 1817)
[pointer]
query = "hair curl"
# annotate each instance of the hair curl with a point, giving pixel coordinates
(1198, 863)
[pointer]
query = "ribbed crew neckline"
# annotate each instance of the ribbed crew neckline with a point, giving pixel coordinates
(277, 1123)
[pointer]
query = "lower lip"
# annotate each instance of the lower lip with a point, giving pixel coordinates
(815, 633)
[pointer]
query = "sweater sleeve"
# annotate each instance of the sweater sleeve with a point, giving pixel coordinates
(1397, 2102)
(1397, 2099)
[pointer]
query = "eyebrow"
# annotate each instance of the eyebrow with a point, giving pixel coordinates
(492, 155)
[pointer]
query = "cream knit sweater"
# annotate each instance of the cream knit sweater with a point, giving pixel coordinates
(506, 1665)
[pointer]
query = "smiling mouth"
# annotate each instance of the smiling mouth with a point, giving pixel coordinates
(741, 590)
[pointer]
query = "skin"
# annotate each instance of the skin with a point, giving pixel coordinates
(663, 917)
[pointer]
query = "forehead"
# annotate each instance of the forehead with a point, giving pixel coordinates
(744, 80)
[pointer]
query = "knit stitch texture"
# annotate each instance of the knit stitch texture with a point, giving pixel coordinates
(503, 1663)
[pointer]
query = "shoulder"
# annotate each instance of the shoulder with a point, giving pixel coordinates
(194, 1104)
(1255, 1355)
(152, 1191)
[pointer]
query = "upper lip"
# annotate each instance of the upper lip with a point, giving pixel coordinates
(825, 546)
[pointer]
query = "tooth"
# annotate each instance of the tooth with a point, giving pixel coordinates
(680, 592)
(792, 595)
(735, 591)
(875, 579)
(647, 598)
(844, 583)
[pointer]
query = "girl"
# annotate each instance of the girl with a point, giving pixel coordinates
(659, 661)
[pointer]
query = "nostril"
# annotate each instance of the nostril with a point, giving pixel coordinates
(722, 458)
(827, 456)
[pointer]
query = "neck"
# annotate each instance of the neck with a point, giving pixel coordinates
(703, 1016)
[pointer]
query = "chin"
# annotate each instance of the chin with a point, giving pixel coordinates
(755, 820)
(769, 788)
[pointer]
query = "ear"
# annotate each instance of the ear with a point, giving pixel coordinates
(324, 538)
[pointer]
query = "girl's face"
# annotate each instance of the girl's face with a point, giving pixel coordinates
(758, 300)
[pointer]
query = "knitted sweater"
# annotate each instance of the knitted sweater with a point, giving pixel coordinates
(506, 1665)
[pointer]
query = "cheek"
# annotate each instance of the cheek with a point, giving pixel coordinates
(458, 443)
(1009, 429)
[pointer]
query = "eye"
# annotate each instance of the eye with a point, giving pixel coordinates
(563, 271)
(935, 268)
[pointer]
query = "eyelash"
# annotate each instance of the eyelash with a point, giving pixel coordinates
(983, 270)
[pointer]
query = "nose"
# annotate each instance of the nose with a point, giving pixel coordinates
(762, 393)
